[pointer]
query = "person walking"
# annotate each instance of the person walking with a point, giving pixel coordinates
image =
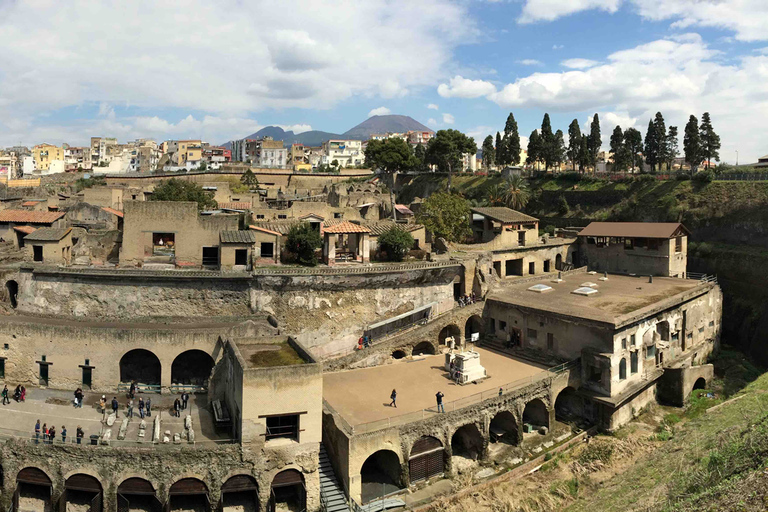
(51, 435)
(184, 400)
(115, 405)
(23, 393)
(177, 408)
(6, 400)
(439, 395)
(129, 414)
(78, 398)
(37, 432)
(79, 434)
(141, 408)
(132, 391)
(17, 393)
(501, 392)
(45, 433)
(393, 396)
(149, 406)
(64, 434)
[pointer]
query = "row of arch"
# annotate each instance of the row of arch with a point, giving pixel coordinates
(473, 325)
(34, 491)
(192, 367)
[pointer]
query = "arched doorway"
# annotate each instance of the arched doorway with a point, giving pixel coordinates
(189, 494)
(427, 459)
(536, 414)
(451, 330)
(467, 442)
(192, 368)
(398, 354)
(474, 326)
(82, 493)
(137, 494)
(12, 287)
(33, 490)
(423, 348)
(240, 492)
(380, 475)
(568, 405)
(288, 491)
(141, 366)
(559, 262)
(700, 383)
(504, 428)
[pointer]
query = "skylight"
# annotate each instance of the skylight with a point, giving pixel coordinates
(584, 290)
(589, 284)
(540, 288)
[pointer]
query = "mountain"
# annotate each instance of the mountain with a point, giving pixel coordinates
(310, 138)
(384, 124)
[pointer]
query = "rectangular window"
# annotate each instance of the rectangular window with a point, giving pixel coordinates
(532, 334)
(711, 323)
(282, 217)
(260, 216)
(284, 426)
(337, 215)
(676, 336)
(37, 252)
(595, 374)
(210, 256)
(241, 256)
(632, 340)
(624, 343)
(701, 329)
(650, 352)
(267, 249)
(679, 244)
(550, 341)
(502, 325)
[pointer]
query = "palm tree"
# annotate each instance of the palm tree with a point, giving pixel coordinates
(497, 195)
(517, 192)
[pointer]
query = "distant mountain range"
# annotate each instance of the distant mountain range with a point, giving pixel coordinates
(363, 131)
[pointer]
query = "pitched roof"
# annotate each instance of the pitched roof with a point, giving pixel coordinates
(346, 227)
(24, 229)
(237, 205)
(25, 216)
(380, 227)
(312, 215)
(237, 237)
(634, 229)
(403, 209)
(264, 230)
(112, 211)
(48, 234)
(279, 226)
(504, 214)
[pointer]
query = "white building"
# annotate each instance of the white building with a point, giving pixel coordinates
(346, 152)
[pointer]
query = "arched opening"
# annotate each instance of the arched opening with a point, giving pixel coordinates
(33, 491)
(82, 493)
(398, 354)
(137, 494)
(504, 428)
(467, 442)
(559, 262)
(449, 331)
(536, 414)
(12, 287)
(288, 491)
(473, 329)
(700, 383)
(380, 475)
(427, 459)
(140, 366)
(568, 405)
(622, 369)
(192, 368)
(423, 348)
(189, 494)
(240, 493)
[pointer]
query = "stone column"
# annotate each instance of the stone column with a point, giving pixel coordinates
(365, 243)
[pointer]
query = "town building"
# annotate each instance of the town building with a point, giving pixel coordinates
(345, 153)
(77, 158)
(48, 159)
(51, 246)
(103, 149)
(419, 137)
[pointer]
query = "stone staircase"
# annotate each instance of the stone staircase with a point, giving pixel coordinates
(332, 498)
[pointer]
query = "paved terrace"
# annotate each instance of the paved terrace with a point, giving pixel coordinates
(362, 396)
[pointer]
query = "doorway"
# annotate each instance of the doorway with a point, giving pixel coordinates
(241, 257)
(267, 250)
(210, 256)
(87, 376)
(37, 253)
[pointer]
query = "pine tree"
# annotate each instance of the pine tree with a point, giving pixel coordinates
(574, 142)
(595, 141)
(633, 141)
(692, 144)
(499, 150)
(660, 132)
(710, 141)
(489, 153)
(617, 147)
(584, 154)
(534, 148)
(547, 142)
(511, 141)
(651, 148)
(558, 149)
(672, 147)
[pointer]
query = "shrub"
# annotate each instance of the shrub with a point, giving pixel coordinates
(303, 241)
(703, 177)
(446, 216)
(417, 254)
(183, 190)
(597, 451)
(563, 207)
(645, 178)
(396, 243)
(549, 229)
(682, 176)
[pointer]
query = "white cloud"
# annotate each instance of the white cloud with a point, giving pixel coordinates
(448, 119)
(548, 10)
(557, 46)
(579, 63)
(296, 128)
(460, 87)
(479, 133)
(380, 111)
(432, 106)
(432, 122)
(529, 62)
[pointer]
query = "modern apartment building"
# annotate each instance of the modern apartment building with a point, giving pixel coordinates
(345, 152)
(48, 158)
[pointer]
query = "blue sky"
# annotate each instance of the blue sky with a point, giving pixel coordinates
(222, 69)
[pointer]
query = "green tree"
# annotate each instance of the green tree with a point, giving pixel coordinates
(511, 142)
(446, 215)
(335, 163)
(651, 152)
(534, 148)
(489, 152)
(660, 132)
(547, 142)
(594, 142)
(181, 190)
(303, 240)
(446, 150)
(420, 155)
(558, 149)
(517, 192)
(389, 156)
(203, 165)
(617, 148)
(633, 141)
(585, 157)
(692, 144)
(499, 150)
(710, 141)
(574, 142)
(249, 179)
(671, 147)
(396, 243)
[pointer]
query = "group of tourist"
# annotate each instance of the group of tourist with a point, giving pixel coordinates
(365, 341)
(466, 300)
(49, 434)
(438, 396)
(19, 394)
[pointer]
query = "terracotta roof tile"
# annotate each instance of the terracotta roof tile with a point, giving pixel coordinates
(236, 205)
(113, 211)
(346, 227)
(264, 230)
(403, 209)
(24, 229)
(237, 237)
(25, 216)
(48, 234)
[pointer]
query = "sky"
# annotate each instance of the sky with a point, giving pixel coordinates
(222, 69)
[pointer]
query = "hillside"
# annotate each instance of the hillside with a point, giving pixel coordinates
(384, 124)
(310, 138)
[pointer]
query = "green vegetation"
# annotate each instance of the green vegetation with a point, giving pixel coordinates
(285, 355)
(303, 241)
(446, 215)
(396, 243)
(249, 179)
(390, 156)
(83, 183)
(183, 190)
(445, 150)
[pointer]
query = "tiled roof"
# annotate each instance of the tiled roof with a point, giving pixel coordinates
(29, 203)
(237, 205)
(279, 226)
(48, 234)
(312, 215)
(634, 229)
(264, 230)
(403, 209)
(113, 211)
(380, 227)
(24, 216)
(237, 237)
(24, 229)
(346, 227)
(503, 214)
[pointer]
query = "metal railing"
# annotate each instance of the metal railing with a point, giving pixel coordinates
(361, 269)
(140, 388)
(461, 403)
(704, 278)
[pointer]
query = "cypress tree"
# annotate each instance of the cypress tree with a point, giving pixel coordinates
(710, 141)
(692, 144)
(671, 147)
(534, 148)
(633, 141)
(499, 150)
(660, 132)
(511, 141)
(651, 149)
(489, 153)
(595, 141)
(547, 142)
(574, 142)
(617, 147)
(558, 149)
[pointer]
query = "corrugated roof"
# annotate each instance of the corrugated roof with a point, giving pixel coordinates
(403, 209)
(25, 216)
(346, 227)
(634, 229)
(24, 229)
(112, 211)
(380, 227)
(236, 205)
(48, 234)
(504, 214)
(237, 237)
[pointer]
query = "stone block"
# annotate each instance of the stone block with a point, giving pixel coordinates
(549, 444)
(188, 422)
(106, 437)
(123, 429)
(543, 430)
(562, 437)
(111, 419)
(166, 439)
(176, 438)
(191, 436)
(142, 425)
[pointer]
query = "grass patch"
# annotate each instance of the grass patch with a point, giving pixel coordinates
(283, 356)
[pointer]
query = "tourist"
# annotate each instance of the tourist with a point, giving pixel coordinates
(103, 405)
(79, 434)
(141, 408)
(51, 435)
(132, 391)
(23, 393)
(149, 406)
(129, 414)
(500, 392)
(64, 434)
(184, 400)
(6, 400)
(360, 343)
(115, 405)
(393, 396)
(45, 433)
(365, 341)
(78, 398)
(17, 393)
(177, 408)
(37, 432)
(439, 395)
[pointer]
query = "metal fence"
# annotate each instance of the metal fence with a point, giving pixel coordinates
(704, 278)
